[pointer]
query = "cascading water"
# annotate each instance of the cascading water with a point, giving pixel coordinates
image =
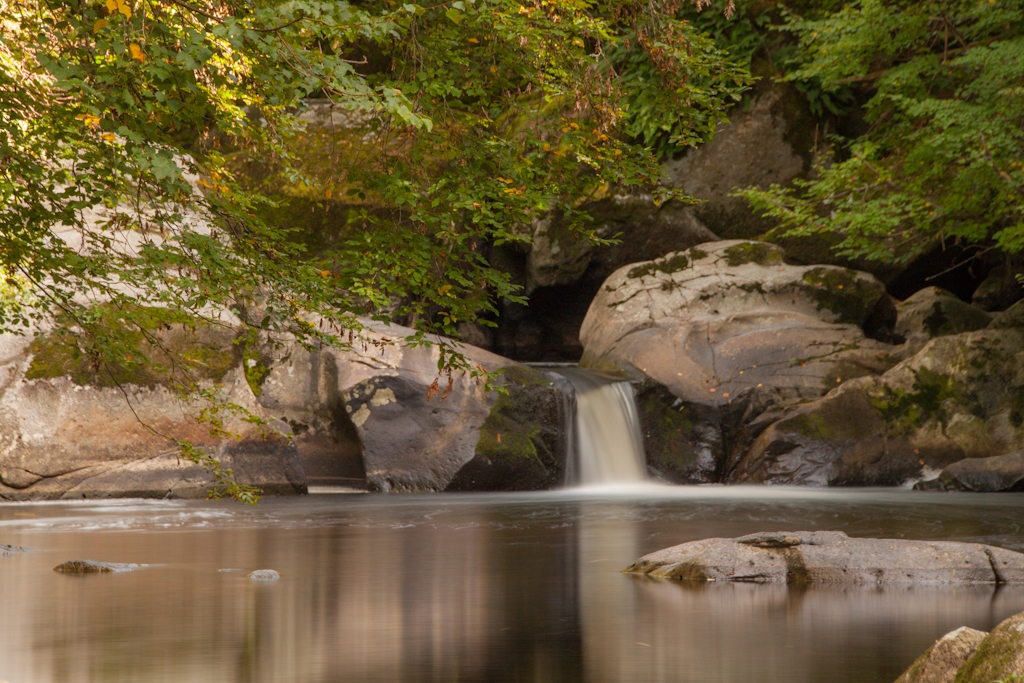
(606, 446)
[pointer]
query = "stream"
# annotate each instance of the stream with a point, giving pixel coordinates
(471, 587)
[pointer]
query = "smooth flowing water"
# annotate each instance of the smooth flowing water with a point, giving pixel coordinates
(447, 587)
(607, 446)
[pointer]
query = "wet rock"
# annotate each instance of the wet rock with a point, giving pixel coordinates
(1000, 657)
(522, 442)
(961, 396)
(800, 558)
(264, 575)
(998, 473)
(943, 660)
(93, 567)
(934, 312)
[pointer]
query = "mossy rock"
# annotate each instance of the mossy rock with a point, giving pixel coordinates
(1000, 657)
(753, 252)
(152, 347)
(683, 441)
(853, 300)
(672, 263)
(522, 442)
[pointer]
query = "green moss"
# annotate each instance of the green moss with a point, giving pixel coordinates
(506, 433)
(696, 254)
(753, 252)
(905, 411)
(752, 287)
(151, 347)
(672, 264)
(996, 656)
(839, 290)
(255, 364)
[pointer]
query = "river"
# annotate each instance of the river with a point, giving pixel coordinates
(449, 587)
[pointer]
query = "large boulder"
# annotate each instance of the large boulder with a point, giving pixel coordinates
(961, 396)
(943, 660)
(998, 473)
(730, 317)
(800, 558)
(70, 430)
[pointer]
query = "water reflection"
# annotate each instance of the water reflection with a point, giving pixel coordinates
(465, 588)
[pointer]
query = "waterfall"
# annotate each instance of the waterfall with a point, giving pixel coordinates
(605, 444)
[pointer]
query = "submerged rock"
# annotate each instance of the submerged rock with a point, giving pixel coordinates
(264, 575)
(943, 660)
(799, 558)
(93, 567)
(11, 549)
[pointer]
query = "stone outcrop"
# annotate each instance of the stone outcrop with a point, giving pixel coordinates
(998, 473)
(961, 396)
(943, 660)
(800, 558)
(366, 416)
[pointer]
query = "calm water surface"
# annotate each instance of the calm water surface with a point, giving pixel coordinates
(508, 587)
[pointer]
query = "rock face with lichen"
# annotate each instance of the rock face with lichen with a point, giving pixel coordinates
(961, 396)
(800, 558)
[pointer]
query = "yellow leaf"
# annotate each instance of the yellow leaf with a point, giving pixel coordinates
(101, 24)
(112, 5)
(109, 137)
(474, 41)
(444, 289)
(137, 52)
(327, 194)
(325, 273)
(124, 9)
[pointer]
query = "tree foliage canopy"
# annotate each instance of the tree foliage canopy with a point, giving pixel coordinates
(123, 123)
(943, 158)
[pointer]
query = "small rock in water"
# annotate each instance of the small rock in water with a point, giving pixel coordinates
(264, 575)
(10, 550)
(93, 567)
